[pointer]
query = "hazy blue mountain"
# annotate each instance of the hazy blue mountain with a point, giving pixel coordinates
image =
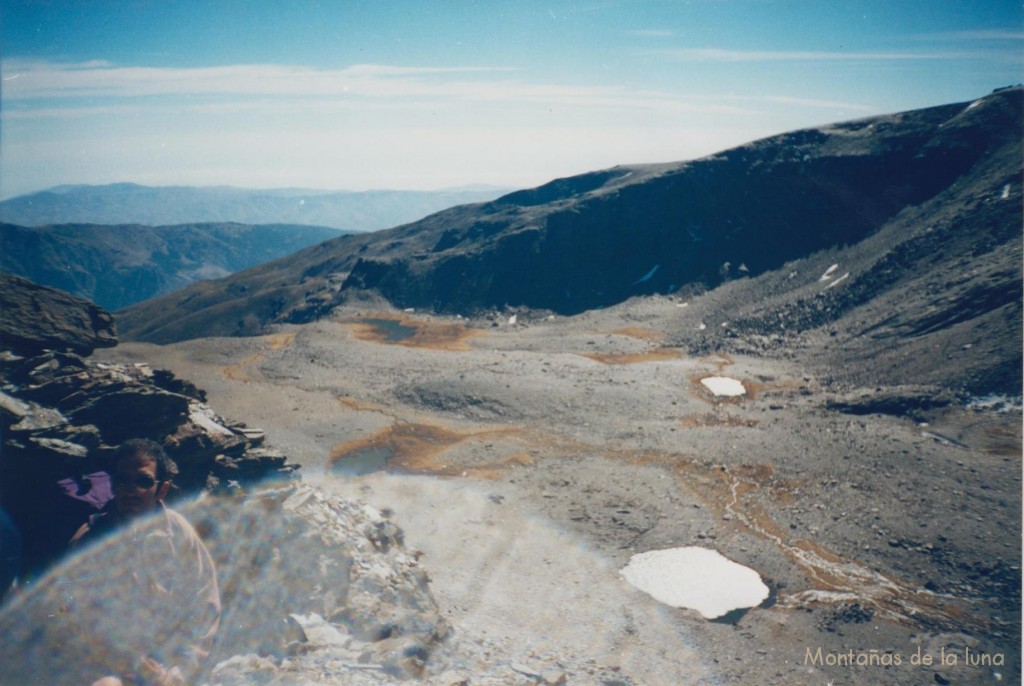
(115, 266)
(129, 203)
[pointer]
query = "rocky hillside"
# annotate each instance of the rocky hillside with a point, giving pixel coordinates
(129, 203)
(920, 208)
(116, 266)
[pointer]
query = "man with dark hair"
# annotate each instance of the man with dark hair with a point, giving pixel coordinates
(173, 584)
(141, 474)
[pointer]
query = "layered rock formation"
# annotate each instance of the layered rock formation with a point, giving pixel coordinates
(311, 584)
(62, 415)
(33, 318)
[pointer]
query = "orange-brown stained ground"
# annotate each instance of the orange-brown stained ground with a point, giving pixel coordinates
(1002, 440)
(419, 448)
(240, 370)
(362, 405)
(427, 334)
(744, 494)
(697, 421)
(641, 333)
(741, 497)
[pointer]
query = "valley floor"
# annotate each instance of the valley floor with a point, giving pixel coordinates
(528, 461)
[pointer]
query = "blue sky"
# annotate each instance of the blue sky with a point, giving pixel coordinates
(399, 94)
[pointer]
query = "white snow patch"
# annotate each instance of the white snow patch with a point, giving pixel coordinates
(1006, 192)
(973, 105)
(838, 281)
(648, 275)
(696, 578)
(828, 273)
(702, 326)
(513, 319)
(724, 386)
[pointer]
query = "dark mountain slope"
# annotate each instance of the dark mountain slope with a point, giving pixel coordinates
(933, 297)
(129, 203)
(116, 266)
(600, 238)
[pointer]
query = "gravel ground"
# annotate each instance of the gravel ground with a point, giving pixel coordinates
(529, 461)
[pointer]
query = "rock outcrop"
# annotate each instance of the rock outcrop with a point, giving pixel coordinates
(326, 590)
(312, 586)
(327, 580)
(61, 416)
(33, 318)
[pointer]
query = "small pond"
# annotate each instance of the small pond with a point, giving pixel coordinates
(391, 330)
(366, 460)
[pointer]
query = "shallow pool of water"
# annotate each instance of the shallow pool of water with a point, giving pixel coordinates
(391, 330)
(363, 461)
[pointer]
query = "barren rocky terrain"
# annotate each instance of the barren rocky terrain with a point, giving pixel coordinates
(529, 458)
(520, 386)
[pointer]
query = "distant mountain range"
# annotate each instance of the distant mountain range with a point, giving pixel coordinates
(129, 203)
(115, 266)
(920, 212)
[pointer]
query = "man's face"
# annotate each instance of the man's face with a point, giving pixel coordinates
(136, 489)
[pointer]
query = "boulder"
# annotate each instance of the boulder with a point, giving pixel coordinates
(63, 415)
(133, 412)
(317, 582)
(202, 437)
(34, 318)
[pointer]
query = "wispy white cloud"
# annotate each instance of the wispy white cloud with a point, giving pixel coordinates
(723, 55)
(100, 79)
(311, 88)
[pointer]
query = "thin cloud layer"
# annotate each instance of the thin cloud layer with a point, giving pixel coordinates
(366, 125)
(30, 84)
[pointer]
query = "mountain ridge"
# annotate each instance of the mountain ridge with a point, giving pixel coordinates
(119, 265)
(132, 203)
(599, 239)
